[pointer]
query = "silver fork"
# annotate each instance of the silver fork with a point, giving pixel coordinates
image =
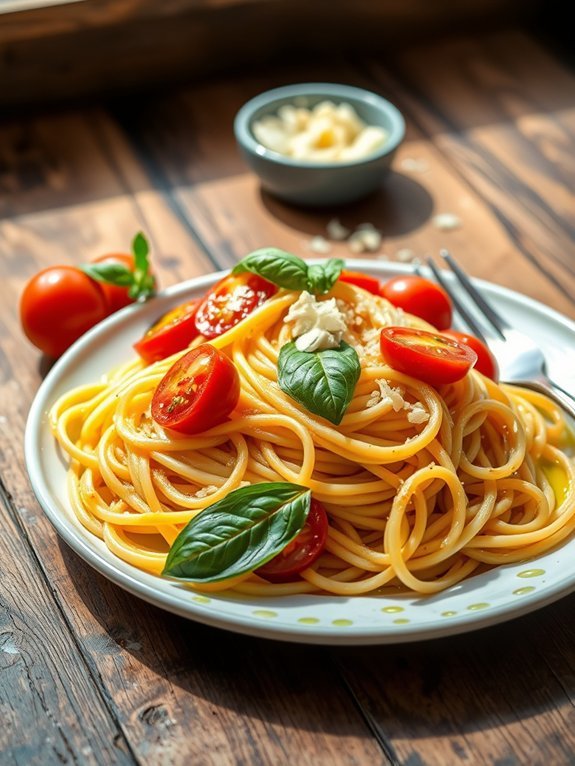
(520, 359)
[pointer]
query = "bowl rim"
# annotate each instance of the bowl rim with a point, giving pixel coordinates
(243, 118)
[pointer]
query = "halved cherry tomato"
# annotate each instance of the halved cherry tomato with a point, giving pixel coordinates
(420, 297)
(230, 301)
(116, 297)
(435, 359)
(198, 392)
(486, 363)
(172, 332)
(58, 305)
(371, 284)
(302, 551)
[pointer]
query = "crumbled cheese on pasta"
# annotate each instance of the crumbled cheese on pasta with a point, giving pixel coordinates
(316, 325)
(393, 395)
(417, 414)
(205, 491)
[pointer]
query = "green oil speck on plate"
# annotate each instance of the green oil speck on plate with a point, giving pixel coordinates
(308, 620)
(400, 621)
(531, 573)
(202, 600)
(267, 613)
(392, 609)
(342, 623)
(523, 591)
(477, 607)
(448, 614)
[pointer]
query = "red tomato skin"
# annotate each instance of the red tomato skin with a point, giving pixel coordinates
(163, 340)
(486, 363)
(232, 299)
(116, 297)
(407, 350)
(302, 551)
(371, 284)
(216, 395)
(420, 297)
(58, 305)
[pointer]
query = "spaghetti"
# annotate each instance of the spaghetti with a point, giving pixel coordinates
(423, 486)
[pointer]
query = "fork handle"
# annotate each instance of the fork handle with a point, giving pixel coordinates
(552, 390)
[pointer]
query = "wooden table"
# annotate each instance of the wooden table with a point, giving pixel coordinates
(92, 675)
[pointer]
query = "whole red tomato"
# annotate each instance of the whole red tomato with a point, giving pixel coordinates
(116, 297)
(420, 297)
(58, 305)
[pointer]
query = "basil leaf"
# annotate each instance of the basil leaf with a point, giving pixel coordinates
(277, 266)
(239, 533)
(111, 273)
(322, 381)
(143, 283)
(141, 249)
(322, 277)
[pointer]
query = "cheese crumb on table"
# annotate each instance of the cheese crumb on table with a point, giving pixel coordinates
(447, 221)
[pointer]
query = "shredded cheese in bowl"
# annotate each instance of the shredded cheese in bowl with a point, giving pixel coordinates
(328, 132)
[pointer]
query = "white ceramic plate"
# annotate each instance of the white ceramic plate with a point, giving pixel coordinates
(498, 595)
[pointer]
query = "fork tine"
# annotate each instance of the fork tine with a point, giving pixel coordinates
(468, 318)
(497, 322)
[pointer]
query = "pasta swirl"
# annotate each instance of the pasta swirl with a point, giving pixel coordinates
(423, 486)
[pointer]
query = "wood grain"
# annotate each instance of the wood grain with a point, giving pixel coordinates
(507, 141)
(503, 695)
(98, 676)
(45, 690)
(99, 46)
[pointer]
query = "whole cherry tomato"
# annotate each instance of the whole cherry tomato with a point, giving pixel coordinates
(486, 363)
(172, 332)
(302, 551)
(198, 392)
(231, 300)
(58, 305)
(116, 297)
(124, 277)
(435, 359)
(420, 297)
(357, 278)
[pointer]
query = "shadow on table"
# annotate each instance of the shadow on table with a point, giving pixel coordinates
(398, 207)
(444, 687)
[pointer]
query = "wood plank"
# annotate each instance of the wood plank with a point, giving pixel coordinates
(507, 141)
(103, 46)
(52, 712)
(180, 692)
(503, 695)
(75, 168)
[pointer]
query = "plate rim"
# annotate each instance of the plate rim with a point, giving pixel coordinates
(140, 583)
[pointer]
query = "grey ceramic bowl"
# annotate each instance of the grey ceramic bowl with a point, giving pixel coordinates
(315, 183)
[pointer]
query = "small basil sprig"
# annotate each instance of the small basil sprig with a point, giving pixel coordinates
(289, 271)
(322, 381)
(140, 282)
(239, 533)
